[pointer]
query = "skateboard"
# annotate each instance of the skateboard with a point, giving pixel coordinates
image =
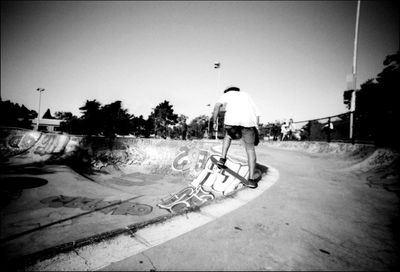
(227, 169)
(257, 173)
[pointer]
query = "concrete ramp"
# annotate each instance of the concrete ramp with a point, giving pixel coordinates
(361, 157)
(21, 146)
(380, 158)
(380, 165)
(49, 208)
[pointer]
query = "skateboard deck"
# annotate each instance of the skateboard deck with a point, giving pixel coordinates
(257, 174)
(218, 182)
(227, 169)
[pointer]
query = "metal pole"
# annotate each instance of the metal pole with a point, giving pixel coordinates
(219, 78)
(40, 90)
(353, 94)
(219, 85)
(217, 65)
(208, 126)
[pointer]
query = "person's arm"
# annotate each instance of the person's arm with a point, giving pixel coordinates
(216, 111)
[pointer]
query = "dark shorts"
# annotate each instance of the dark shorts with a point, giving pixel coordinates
(248, 134)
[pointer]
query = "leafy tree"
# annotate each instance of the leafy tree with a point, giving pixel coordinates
(70, 124)
(141, 127)
(183, 126)
(91, 117)
(198, 126)
(109, 120)
(14, 115)
(73, 125)
(376, 103)
(64, 115)
(47, 115)
(264, 130)
(115, 120)
(179, 130)
(163, 116)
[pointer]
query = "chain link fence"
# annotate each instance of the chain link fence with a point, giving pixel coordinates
(367, 128)
(333, 128)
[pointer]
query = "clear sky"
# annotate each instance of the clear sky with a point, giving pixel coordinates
(292, 57)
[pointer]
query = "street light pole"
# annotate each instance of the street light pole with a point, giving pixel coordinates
(40, 90)
(217, 65)
(353, 94)
(208, 126)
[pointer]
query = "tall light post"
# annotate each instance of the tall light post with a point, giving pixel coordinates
(209, 121)
(354, 71)
(40, 90)
(217, 65)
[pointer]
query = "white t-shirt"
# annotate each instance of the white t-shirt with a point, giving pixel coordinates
(240, 109)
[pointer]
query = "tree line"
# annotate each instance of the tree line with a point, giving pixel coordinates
(376, 112)
(112, 120)
(376, 104)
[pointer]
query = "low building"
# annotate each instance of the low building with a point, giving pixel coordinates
(50, 125)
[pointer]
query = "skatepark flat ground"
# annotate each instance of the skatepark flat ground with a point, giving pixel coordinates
(57, 216)
(326, 212)
(329, 207)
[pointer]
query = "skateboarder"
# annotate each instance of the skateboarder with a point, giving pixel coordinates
(241, 122)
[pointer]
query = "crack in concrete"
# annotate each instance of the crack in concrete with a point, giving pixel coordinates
(86, 261)
(350, 254)
(351, 248)
(318, 236)
(141, 240)
(152, 264)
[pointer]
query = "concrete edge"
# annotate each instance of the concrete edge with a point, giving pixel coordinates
(130, 241)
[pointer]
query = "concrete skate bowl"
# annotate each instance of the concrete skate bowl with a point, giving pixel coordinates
(137, 183)
(21, 146)
(14, 141)
(381, 166)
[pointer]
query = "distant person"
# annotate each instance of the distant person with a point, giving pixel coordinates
(241, 122)
(288, 130)
(284, 131)
(328, 129)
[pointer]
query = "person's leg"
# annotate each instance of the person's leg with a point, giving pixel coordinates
(225, 145)
(248, 137)
(251, 159)
(231, 132)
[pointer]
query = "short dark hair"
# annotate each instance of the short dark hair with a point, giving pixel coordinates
(232, 88)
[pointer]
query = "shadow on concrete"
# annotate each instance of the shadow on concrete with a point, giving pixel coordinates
(12, 187)
(28, 169)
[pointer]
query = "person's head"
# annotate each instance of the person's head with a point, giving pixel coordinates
(231, 89)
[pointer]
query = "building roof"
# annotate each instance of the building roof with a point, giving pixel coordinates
(47, 122)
